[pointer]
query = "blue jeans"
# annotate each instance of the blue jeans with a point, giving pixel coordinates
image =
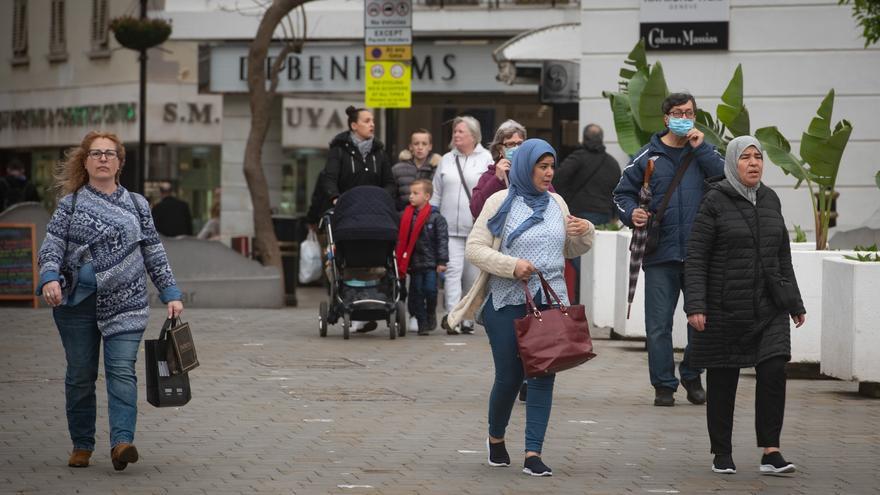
(663, 283)
(422, 295)
(81, 338)
(509, 377)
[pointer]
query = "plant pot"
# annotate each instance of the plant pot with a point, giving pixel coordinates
(140, 34)
(597, 279)
(850, 335)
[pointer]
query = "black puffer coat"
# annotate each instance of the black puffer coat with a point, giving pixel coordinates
(724, 278)
(405, 172)
(431, 247)
(347, 168)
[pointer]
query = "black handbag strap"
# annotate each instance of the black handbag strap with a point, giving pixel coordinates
(679, 174)
(467, 190)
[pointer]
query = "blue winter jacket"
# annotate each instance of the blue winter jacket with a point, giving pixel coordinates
(685, 202)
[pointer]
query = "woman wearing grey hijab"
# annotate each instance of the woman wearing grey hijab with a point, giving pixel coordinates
(739, 243)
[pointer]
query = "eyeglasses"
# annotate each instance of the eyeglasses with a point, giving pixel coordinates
(512, 143)
(96, 154)
(679, 114)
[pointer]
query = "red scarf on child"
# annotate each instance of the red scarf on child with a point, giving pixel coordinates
(407, 237)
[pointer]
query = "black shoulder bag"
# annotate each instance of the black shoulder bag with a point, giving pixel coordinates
(654, 221)
(782, 291)
(467, 190)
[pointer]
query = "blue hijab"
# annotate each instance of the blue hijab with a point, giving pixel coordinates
(527, 155)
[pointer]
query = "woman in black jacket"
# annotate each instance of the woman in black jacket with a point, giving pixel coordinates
(738, 240)
(356, 158)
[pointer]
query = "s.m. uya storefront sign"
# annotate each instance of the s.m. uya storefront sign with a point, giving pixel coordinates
(339, 68)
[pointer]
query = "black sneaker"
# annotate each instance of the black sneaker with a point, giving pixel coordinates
(368, 327)
(664, 397)
(695, 392)
(723, 464)
(423, 329)
(498, 456)
(774, 463)
(467, 329)
(535, 467)
(523, 391)
(432, 321)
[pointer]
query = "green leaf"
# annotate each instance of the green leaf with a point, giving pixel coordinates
(877, 179)
(778, 150)
(634, 91)
(638, 58)
(823, 149)
(650, 112)
(820, 126)
(713, 132)
(732, 112)
(629, 136)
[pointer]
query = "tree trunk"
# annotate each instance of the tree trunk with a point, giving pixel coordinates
(261, 100)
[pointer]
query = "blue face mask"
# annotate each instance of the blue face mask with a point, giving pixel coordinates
(680, 127)
(509, 152)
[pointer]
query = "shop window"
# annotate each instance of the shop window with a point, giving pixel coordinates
(19, 33)
(100, 29)
(58, 33)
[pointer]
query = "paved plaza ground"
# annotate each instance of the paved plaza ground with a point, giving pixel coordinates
(277, 409)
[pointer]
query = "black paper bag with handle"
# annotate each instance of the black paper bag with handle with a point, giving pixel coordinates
(182, 356)
(163, 388)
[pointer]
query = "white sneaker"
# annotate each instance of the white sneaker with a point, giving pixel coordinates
(413, 324)
(357, 325)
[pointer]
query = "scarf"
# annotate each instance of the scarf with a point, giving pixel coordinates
(521, 185)
(407, 236)
(735, 148)
(363, 145)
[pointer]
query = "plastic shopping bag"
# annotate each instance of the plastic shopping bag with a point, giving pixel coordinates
(309, 259)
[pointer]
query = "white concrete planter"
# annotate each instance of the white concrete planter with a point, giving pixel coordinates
(850, 316)
(803, 246)
(634, 327)
(806, 341)
(597, 279)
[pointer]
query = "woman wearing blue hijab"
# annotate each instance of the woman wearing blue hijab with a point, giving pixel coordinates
(521, 230)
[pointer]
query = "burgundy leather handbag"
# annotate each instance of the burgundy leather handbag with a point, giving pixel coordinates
(554, 339)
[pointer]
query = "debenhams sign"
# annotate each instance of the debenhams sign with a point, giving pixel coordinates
(339, 68)
(684, 24)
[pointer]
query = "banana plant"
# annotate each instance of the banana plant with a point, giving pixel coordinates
(821, 152)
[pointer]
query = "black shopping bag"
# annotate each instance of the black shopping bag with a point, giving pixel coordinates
(163, 388)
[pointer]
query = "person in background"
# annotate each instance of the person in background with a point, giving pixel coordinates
(211, 230)
(416, 162)
(357, 158)
(664, 268)
(422, 253)
(739, 234)
(100, 246)
(458, 172)
(171, 215)
(521, 230)
(587, 177)
(508, 137)
(15, 186)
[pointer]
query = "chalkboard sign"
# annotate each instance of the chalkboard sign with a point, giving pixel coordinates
(18, 262)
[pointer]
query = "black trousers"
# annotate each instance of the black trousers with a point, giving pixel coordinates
(721, 386)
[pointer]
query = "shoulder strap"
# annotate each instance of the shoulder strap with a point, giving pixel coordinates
(679, 174)
(72, 211)
(467, 190)
(592, 174)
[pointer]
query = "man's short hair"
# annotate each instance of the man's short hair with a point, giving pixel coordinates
(593, 131)
(676, 99)
(16, 165)
(165, 187)
(421, 131)
(427, 186)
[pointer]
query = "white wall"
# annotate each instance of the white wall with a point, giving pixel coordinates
(792, 53)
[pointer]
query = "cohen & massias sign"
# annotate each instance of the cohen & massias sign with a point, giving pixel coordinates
(684, 24)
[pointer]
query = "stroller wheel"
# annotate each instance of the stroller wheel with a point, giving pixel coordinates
(401, 319)
(392, 330)
(322, 319)
(346, 326)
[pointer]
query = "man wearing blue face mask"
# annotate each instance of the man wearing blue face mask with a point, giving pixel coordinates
(682, 161)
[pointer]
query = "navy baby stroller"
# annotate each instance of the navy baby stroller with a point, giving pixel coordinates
(364, 285)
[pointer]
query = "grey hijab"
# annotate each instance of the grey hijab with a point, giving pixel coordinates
(735, 148)
(364, 145)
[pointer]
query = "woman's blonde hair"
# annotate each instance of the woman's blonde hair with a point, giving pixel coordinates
(71, 174)
(473, 126)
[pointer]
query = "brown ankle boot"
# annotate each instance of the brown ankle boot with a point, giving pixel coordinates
(122, 454)
(79, 458)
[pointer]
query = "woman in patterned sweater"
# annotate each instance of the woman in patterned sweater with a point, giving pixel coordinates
(521, 230)
(100, 246)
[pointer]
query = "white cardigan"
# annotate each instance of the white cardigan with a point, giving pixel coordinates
(483, 251)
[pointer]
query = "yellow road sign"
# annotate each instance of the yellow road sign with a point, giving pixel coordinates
(388, 84)
(379, 52)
